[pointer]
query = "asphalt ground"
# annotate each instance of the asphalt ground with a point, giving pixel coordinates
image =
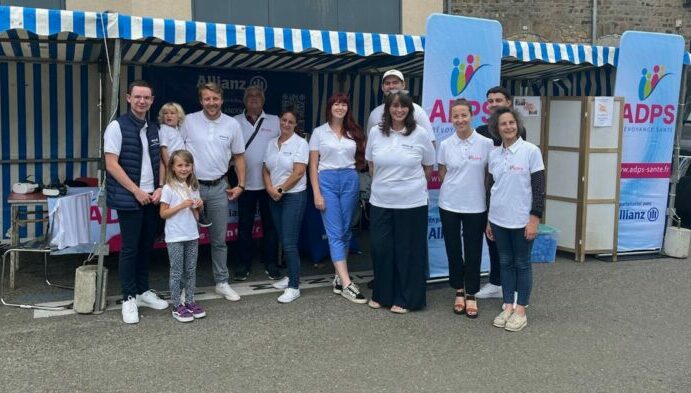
(593, 327)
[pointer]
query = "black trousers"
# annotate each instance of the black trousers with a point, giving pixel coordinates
(137, 231)
(247, 208)
(463, 272)
(399, 256)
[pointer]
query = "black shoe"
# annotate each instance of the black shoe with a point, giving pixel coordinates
(241, 276)
(370, 284)
(273, 274)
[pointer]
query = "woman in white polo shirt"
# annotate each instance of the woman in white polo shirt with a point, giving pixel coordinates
(517, 199)
(285, 163)
(400, 156)
(337, 152)
(462, 163)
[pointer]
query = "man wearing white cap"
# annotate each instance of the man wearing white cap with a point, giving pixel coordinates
(393, 81)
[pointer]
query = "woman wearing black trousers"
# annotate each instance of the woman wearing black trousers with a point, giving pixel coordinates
(400, 156)
(462, 163)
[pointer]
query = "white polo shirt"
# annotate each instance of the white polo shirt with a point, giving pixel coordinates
(398, 181)
(112, 143)
(171, 138)
(421, 118)
(212, 143)
(181, 226)
(334, 153)
(254, 155)
(512, 194)
(463, 189)
(280, 162)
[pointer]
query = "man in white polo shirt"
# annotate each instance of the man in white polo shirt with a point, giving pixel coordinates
(258, 128)
(214, 138)
(393, 81)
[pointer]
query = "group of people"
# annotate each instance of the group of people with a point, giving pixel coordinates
(179, 173)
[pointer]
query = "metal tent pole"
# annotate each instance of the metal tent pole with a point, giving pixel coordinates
(102, 249)
(671, 210)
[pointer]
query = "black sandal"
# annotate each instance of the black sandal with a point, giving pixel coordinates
(459, 308)
(469, 311)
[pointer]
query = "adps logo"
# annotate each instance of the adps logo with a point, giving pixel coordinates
(463, 73)
(650, 80)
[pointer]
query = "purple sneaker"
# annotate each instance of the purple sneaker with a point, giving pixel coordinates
(183, 314)
(196, 310)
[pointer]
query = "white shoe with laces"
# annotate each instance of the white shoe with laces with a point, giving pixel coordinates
(151, 300)
(130, 312)
(489, 291)
(289, 295)
(224, 289)
(281, 284)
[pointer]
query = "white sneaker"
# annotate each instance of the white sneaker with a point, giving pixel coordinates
(227, 292)
(151, 300)
(488, 291)
(281, 284)
(289, 295)
(130, 312)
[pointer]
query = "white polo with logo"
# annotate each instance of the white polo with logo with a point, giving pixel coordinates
(212, 143)
(280, 162)
(512, 194)
(463, 189)
(254, 155)
(334, 153)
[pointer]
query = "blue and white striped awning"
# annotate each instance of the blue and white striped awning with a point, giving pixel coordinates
(76, 36)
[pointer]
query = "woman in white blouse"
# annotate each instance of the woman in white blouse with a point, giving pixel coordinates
(517, 200)
(400, 156)
(285, 163)
(462, 163)
(337, 151)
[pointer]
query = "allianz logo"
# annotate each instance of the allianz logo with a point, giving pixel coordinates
(651, 214)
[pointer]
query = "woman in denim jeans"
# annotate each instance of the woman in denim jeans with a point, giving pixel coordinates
(285, 163)
(337, 152)
(517, 199)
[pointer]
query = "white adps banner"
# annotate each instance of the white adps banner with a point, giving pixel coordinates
(462, 60)
(648, 77)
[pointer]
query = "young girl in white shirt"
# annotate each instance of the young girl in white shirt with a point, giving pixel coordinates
(180, 206)
(170, 117)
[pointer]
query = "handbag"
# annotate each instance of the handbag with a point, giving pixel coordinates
(231, 175)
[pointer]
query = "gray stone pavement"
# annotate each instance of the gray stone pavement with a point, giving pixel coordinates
(593, 327)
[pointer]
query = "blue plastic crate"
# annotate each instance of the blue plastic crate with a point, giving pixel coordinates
(545, 245)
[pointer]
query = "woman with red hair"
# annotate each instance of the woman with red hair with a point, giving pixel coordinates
(337, 152)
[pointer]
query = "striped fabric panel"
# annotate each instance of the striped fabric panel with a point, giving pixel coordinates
(593, 82)
(52, 114)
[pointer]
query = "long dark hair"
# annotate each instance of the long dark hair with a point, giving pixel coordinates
(405, 101)
(351, 129)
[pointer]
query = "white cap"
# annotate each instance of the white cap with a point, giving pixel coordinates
(398, 74)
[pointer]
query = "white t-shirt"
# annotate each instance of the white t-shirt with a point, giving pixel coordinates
(398, 181)
(463, 189)
(212, 143)
(421, 118)
(512, 194)
(254, 155)
(181, 226)
(112, 143)
(280, 162)
(171, 139)
(334, 153)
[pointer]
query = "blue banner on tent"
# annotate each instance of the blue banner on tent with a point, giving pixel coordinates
(282, 89)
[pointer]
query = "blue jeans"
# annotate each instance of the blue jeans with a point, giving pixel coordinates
(287, 215)
(514, 259)
(137, 231)
(340, 189)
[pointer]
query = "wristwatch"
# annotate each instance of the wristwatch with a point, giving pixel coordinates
(279, 190)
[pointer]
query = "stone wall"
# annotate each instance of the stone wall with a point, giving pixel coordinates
(571, 20)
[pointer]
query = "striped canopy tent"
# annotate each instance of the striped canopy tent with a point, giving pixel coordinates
(56, 71)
